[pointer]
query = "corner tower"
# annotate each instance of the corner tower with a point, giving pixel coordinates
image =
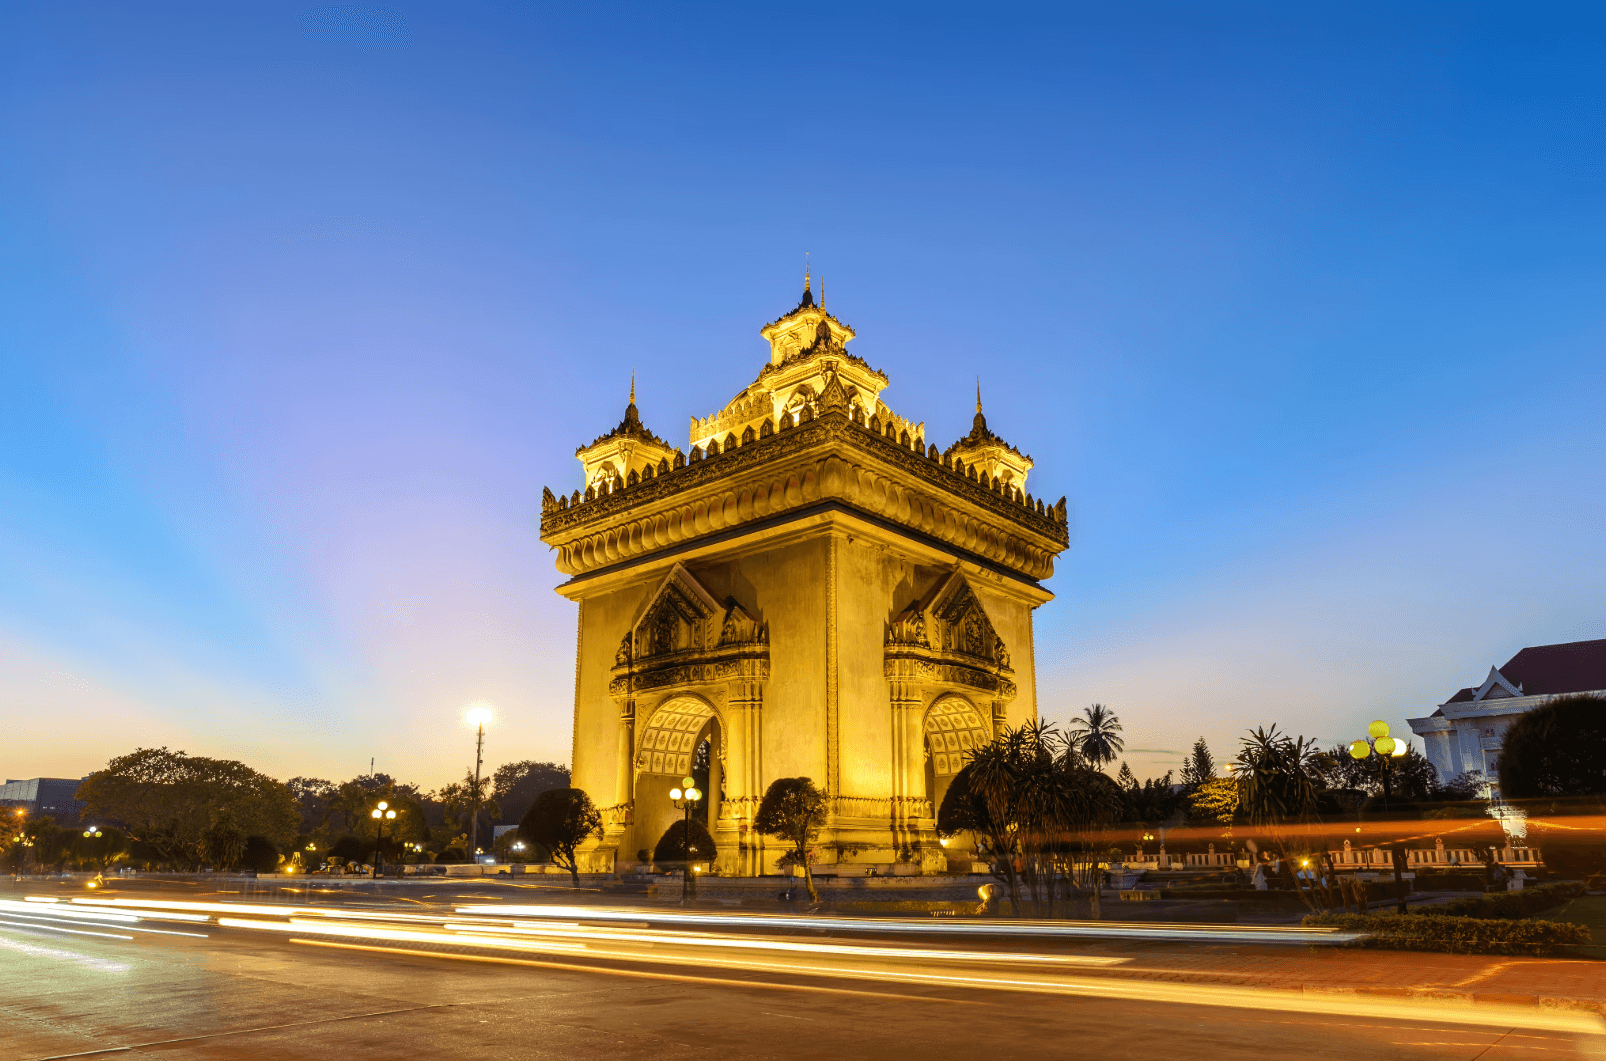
(812, 589)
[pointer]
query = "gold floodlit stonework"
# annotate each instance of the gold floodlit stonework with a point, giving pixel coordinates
(810, 590)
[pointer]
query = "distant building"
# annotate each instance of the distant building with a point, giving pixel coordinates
(53, 796)
(1464, 734)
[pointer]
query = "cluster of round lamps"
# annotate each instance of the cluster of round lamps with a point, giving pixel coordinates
(1381, 743)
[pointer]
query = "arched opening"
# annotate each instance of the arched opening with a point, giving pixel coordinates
(683, 737)
(953, 729)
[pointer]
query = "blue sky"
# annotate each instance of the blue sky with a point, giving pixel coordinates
(301, 307)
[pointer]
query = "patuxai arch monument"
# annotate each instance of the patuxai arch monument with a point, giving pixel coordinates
(810, 589)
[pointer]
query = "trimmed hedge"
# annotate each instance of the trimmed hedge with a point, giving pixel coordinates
(1455, 935)
(1511, 906)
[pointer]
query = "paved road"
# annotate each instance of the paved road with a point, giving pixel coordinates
(272, 984)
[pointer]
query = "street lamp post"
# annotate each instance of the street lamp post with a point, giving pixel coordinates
(1386, 749)
(381, 814)
(685, 801)
(476, 716)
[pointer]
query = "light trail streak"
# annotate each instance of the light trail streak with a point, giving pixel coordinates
(1044, 929)
(35, 951)
(35, 927)
(640, 973)
(36, 918)
(323, 928)
(1262, 999)
(688, 939)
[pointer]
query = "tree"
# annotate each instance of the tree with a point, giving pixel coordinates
(1126, 778)
(1279, 781)
(1096, 735)
(100, 846)
(169, 800)
(47, 842)
(1214, 802)
(672, 845)
(1199, 767)
(793, 810)
(514, 786)
(1153, 802)
(560, 820)
(1409, 777)
(13, 837)
(260, 855)
(1556, 751)
(314, 799)
(463, 800)
(223, 841)
(1039, 810)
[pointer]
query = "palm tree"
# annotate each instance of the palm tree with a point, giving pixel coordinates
(1096, 735)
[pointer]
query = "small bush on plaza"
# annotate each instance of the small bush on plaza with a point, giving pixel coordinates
(672, 845)
(451, 855)
(351, 849)
(1454, 935)
(1512, 906)
(260, 855)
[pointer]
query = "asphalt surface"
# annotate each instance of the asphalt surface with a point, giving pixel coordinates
(380, 977)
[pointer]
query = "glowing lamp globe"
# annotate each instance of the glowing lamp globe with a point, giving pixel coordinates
(1400, 748)
(687, 782)
(674, 793)
(1359, 749)
(1385, 745)
(1378, 729)
(694, 794)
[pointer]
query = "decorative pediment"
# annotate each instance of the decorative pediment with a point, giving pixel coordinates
(952, 620)
(682, 625)
(1496, 687)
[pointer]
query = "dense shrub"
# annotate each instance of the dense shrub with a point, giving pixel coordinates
(450, 855)
(672, 845)
(1511, 906)
(1579, 861)
(1456, 935)
(351, 849)
(260, 855)
(1556, 751)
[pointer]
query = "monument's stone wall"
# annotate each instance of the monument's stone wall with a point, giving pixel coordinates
(813, 591)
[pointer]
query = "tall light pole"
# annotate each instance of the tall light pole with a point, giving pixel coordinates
(691, 796)
(1378, 742)
(477, 716)
(380, 814)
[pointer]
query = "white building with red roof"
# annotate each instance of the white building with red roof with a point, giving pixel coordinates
(1464, 734)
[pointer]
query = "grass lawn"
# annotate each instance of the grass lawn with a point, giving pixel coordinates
(1589, 910)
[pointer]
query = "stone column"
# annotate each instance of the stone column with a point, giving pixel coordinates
(716, 749)
(744, 770)
(908, 760)
(624, 784)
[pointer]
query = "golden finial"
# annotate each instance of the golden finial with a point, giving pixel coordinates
(632, 384)
(978, 394)
(822, 296)
(805, 271)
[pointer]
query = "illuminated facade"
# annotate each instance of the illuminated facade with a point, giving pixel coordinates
(809, 590)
